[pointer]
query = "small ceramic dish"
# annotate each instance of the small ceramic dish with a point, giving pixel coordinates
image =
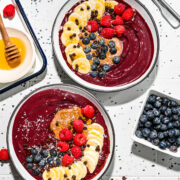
(7, 76)
(145, 142)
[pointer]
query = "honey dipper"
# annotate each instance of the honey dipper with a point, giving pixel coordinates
(12, 53)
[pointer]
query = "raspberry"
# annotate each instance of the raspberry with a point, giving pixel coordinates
(107, 33)
(79, 139)
(67, 160)
(63, 146)
(88, 111)
(65, 135)
(9, 11)
(119, 30)
(128, 14)
(106, 21)
(92, 26)
(118, 21)
(76, 152)
(78, 125)
(4, 155)
(119, 8)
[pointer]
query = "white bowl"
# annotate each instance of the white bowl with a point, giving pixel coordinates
(145, 142)
(70, 88)
(55, 41)
(7, 76)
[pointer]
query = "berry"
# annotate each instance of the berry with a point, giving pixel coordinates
(151, 99)
(116, 59)
(145, 132)
(118, 21)
(168, 112)
(102, 55)
(173, 148)
(119, 8)
(92, 26)
(148, 124)
(42, 163)
(150, 114)
(96, 61)
(101, 42)
(37, 158)
(162, 145)
(148, 107)
(44, 153)
(106, 21)
(157, 104)
(113, 50)
(128, 14)
(153, 134)
(172, 140)
(58, 161)
(104, 48)
(178, 141)
(4, 155)
(156, 112)
(165, 120)
(107, 33)
(36, 172)
(111, 44)
(163, 127)
(89, 56)
(78, 125)
(50, 160)
(92, 36)
(161, 135)
(80, 139)
(94, 45)
(29, 166)
(76, 152)
(138, 134)
(119, 30)
(93, 67)
(102, 74)
(106, 67)
(67, 160)
(171, 132)
(170, 125)
(94, 74)
(88, 111)
(156, 121)
(143, 118)
(87, 49)
(9, 11)
(174, 110)
(155, 141)
(86, 40)
(63, 146)
(53, 152)
(60, 154)
(173, 103)
(65, 135)
(176, 132)
(29, 159)
(163, 108)
(34, 151)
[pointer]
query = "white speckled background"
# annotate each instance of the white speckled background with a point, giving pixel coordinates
(134, 161)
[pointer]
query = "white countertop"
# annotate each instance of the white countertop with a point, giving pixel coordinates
(132, 160)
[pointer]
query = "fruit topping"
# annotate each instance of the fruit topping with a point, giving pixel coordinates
(88, 111)
(78, 125)
(107, 33)
(79, 139)
(119, 8)
(9, 11)
(116, 59)
(67, 160)
(86, 40)
(76, 152)
(118, 21)
(63, 146)
(65, 135)
(92, 26)
(128, 14)
(106, 21)
(4, 155)
(92, 36)
(119, 30)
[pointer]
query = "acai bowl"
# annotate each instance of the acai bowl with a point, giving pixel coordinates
(105, 45)
(60, 132)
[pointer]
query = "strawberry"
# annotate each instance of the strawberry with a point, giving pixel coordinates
(119, 9)
(118, 21)
(128, 14)
(65, 135)
(88, 110)
(78, 125)
(9, 11)
(79, 139)
(92, 26)
(119, 30)
(63, 146)
(4, 155)
(106, 21)
(76, 152)
(67, 160)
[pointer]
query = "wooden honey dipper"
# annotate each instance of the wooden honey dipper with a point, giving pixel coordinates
(11, 51)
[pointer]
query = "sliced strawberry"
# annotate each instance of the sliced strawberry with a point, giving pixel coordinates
(128, 14)
(119, 8)
(118, 21)
(106, 21)
(119, 30)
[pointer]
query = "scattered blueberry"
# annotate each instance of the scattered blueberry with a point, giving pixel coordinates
(116, 59)
(94, 74)
(148, 124)
(87, 49)
(36, 172)
(94, 45)
(86, 40)
(153, 134)
(44, 153)
(113, 50)
(50, 160)
(34, 151)
(145, 132)
(162, 145)
(101, 74)
(102, 55)
(29, 166)
(101, 41)
(138, 133)
(42, 163)
(104, 48)
(29, 159)
(111, 44)
(58, 161)
(92, 36)
(96, 61)
(106, 67)
(89, 56)
(37, 158)
(93, 67)
(60, 154)
(53, 152)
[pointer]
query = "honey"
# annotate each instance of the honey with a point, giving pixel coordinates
(4, 65)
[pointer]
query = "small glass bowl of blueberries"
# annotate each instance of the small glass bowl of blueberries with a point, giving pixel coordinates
(158, 126)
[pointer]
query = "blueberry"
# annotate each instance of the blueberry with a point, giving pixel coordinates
(148, 124)
(37, 158)
(101, 41)
(111, 44)
(145, 132)
(150, 114)
(157, 127)
(151, 99)
(60, 154)
(34, 151)
(168, 144)
(116, 59)
(172, 139)
(162, 145)
(156, 120)
(143, 118)
(163, 109)
(161, 135)
(101, 74)
(58, 161)
(165, 101)
(171, 132)
(153, 134)
(176, 124)
(170, 125)
(36, 172)
(53, 152)
(92, 36)
(102, 55)
(163, 127)
(157, 104)
(89, 56)
(176, 132)
(86, 40)
(94, 45)
(96, 61)
(138, 133)
(165, 120)
(94, 74)
(104, 48)
(140, 124)
(178, 110)
(156, 112)
(87, 49)
(42, 163)
(155, 141)
(50, 160)
(173, 103)
(44, 153)
(106, 67)
(175, 117)
(148, 107)
(165, 133)
(173, 148)
(174, 110)
(168, 112)
(29, 159)
(29, 166)
(93, 67)
(113, 50)
(178, 140)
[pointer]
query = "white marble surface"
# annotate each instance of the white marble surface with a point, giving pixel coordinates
(134, 161)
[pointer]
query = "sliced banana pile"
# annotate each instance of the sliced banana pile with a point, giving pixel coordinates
(111, 4)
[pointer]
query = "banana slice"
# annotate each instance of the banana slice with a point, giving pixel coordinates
(94, 143)
(75, 170)
(67, 173)
(82, 65)
(88, 9)
(61, 172)
(96, 133)
(71, 26)
(69, 37)
(110, 4)
(90, 163)
(83, 169)
(82, 11)
(52, 174)
(99, 7)
(93, 154)
(78, 20)
(93, 137)
(76, 54)
(96, 127)
(72, 48)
